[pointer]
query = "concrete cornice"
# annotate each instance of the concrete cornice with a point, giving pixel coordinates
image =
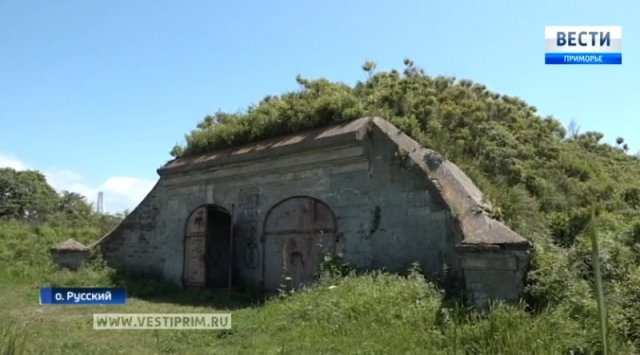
(315, 139)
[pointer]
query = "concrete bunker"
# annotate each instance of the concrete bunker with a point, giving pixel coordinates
(264, 214)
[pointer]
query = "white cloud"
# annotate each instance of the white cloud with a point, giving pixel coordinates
(119, 192)
(9, 161)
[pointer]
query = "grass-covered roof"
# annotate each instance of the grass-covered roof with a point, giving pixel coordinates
(530, 165)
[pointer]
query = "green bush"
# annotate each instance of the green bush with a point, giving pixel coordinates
(629, 310)
(94, 273)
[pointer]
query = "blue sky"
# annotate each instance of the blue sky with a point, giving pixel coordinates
(95, 93)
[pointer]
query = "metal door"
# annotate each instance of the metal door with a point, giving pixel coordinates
(194, 248)
(298, 233)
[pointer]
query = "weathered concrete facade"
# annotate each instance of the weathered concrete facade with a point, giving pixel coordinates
(265, 214)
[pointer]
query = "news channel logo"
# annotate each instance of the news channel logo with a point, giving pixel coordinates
(583, 44)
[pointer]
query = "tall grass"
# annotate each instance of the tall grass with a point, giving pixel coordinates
(602, 311)
(344, 312)
(10, 342)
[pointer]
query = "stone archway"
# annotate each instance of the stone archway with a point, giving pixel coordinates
(298, 232)
(207, 248)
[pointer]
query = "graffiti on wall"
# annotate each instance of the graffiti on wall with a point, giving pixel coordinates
(248, 227)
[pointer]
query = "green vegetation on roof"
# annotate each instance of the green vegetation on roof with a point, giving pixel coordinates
(440, 110)
(543, 177)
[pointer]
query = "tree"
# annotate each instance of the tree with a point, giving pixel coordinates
(25, 195)
(369, 67)
(573, 129)
(73, 204)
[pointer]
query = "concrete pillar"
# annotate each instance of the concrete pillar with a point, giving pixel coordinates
(493, 274)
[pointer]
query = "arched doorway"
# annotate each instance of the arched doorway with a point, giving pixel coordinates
(298, 232)
(208, 248)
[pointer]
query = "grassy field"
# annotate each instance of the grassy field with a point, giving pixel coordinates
(370, 313)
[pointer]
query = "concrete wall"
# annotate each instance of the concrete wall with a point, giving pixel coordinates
(415, 224)
(138, 242)
(387, 216)
(494, 275)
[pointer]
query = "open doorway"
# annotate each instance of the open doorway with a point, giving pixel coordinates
(218, 248)
(208, 246)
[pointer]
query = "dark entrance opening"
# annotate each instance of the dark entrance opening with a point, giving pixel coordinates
(208, 248)
(218, 248)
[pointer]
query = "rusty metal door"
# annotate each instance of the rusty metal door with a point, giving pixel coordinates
(194, 249)
(298, 233)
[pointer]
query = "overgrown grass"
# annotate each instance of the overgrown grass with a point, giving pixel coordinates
(344, 312)
(10, 341)
(367, 313)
